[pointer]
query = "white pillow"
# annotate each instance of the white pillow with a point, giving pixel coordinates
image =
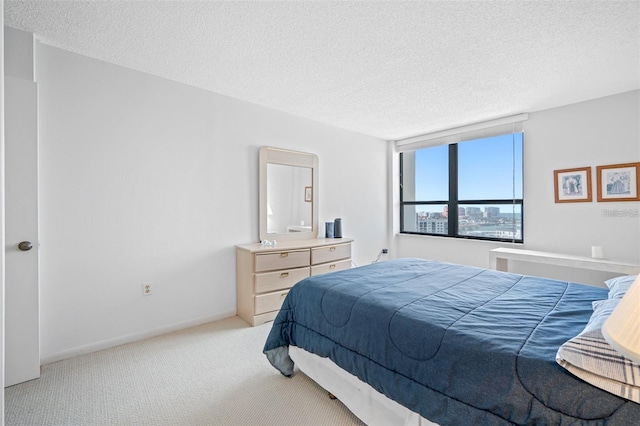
(590, 357)
(618, 286)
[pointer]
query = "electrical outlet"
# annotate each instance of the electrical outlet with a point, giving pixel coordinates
(385, 251)
(146, 289)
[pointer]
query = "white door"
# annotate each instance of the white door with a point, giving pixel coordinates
(22, 334)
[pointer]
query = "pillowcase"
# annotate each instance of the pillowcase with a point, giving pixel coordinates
(618, 286)
(590, 357)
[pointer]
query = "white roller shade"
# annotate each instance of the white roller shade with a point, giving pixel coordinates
(500, 126)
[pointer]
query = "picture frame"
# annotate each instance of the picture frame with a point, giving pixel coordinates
(308, 194)
(573, 185)
(618, 182)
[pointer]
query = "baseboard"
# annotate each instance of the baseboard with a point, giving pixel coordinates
(133, 337)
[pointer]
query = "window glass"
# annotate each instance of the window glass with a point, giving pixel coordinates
(426, 218)
(426, 174)
(484, 177)
(502, 221)
(486, 168)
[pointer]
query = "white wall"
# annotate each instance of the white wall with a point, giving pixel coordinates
(144, 180)
(598, 132)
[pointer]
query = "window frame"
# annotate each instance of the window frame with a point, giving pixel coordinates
(453, 203)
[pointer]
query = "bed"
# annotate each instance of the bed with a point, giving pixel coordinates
(447, 343)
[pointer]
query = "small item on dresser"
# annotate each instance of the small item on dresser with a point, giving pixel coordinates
(337, 228)
(328, 229)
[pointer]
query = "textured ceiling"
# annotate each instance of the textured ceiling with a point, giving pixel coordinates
(390, 69)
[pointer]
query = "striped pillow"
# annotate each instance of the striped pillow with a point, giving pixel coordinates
(590, 357)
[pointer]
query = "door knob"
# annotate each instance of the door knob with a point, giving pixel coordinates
(25, 246)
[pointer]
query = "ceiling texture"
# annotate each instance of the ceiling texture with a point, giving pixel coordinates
(388, 69)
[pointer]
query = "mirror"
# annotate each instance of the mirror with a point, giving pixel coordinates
(288, 195)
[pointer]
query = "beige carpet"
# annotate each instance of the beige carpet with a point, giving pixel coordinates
(213, 374)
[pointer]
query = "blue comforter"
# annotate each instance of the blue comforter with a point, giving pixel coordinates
(457, 344)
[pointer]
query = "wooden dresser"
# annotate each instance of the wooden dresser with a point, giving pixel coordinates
(265, 274)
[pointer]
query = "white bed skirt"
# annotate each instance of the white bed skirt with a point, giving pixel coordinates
(365, 402)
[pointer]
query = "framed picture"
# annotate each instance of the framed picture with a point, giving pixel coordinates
(308, 194)
(618, 182)
(573, 185)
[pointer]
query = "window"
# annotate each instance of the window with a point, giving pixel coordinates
(468, 189)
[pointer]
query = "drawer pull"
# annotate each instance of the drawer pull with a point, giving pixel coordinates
(332, 266)
(284, 275)
(283, 294)
(285, 254)
(332, 248)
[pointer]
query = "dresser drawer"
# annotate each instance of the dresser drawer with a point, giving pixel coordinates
(278, 280)
(269, 301)
(330, 253)
(282, 260)
(331, 267)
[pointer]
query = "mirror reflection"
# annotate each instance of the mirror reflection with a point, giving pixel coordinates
(289, 198)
